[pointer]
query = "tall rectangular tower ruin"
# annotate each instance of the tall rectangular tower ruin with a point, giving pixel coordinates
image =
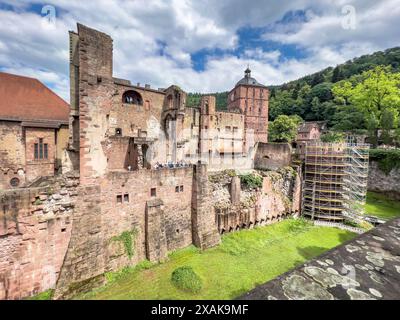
(252, 99)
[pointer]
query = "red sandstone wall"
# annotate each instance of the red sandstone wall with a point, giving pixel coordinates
(120, 217)
(34, 233)
(99, 217)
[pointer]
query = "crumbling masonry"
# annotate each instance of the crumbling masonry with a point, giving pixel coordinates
(118, 206)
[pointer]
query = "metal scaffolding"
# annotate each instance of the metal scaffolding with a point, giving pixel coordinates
(335, 180)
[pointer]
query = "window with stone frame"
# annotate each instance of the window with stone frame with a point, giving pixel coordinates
(41, 150)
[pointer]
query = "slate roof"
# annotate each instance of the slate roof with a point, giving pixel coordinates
(248, 80)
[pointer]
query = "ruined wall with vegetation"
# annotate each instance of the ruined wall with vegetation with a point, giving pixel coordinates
(384, 172)
(257, 198)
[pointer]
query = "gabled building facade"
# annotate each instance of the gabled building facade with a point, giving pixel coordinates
(33, 130)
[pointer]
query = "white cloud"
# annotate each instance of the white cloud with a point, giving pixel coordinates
(142, 30)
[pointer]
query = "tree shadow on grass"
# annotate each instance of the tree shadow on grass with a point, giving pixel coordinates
(345, 237)
(311, 252)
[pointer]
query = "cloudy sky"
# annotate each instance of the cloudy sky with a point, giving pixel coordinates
(200, 45)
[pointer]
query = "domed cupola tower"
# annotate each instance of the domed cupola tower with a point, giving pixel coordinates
(252, 98)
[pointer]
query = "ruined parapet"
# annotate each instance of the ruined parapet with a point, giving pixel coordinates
(272, 156)
(156, 241)
(204, 230)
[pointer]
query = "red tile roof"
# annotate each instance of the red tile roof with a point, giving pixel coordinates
(23, 98)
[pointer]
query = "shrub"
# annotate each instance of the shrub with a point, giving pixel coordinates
(186, 279)
(251, 181)
(387, 159)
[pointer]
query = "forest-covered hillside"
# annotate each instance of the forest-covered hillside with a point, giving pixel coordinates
(311, 97)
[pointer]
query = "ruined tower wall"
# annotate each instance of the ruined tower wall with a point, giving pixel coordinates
(105, 213)
(35, 228)
(205, 233)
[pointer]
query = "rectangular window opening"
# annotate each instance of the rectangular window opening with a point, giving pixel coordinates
(119, 198)
(36, 151)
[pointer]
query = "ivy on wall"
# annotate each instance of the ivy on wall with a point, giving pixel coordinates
(128, 240)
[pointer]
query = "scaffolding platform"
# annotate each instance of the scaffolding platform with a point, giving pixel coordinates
(335, 180)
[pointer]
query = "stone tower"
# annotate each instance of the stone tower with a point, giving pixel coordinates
(252, 99)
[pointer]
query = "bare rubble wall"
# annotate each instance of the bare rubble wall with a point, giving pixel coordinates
(35, 228)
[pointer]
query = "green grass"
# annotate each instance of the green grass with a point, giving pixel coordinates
(380, 206)
(243, 260)
(45, 295)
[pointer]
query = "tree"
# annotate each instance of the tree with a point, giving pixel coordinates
(332, 137)
(348, 118)
(316, 108)
(372, 93)
(372, 126)
(317, 79)
(283, 128)
(389, 122)
(322, 91)
(337, 74)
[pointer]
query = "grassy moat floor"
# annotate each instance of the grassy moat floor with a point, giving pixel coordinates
(380, 206)
(243, 260)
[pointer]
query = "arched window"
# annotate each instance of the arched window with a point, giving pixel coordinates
(132, 97)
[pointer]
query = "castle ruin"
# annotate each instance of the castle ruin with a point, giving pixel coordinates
(143, 169)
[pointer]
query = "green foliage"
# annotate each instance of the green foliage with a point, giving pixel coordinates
(186, 279)
(322, 91)
(127, 238)
(251, 181)
(194, 99)
(284, 128)
(387, 159)
(45, 295)
(389, 121)
(348, 118)
(337, 74)
(332, 137)
(376, 94)
(38, 202)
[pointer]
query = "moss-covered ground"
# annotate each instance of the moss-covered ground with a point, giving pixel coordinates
(243, 260)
